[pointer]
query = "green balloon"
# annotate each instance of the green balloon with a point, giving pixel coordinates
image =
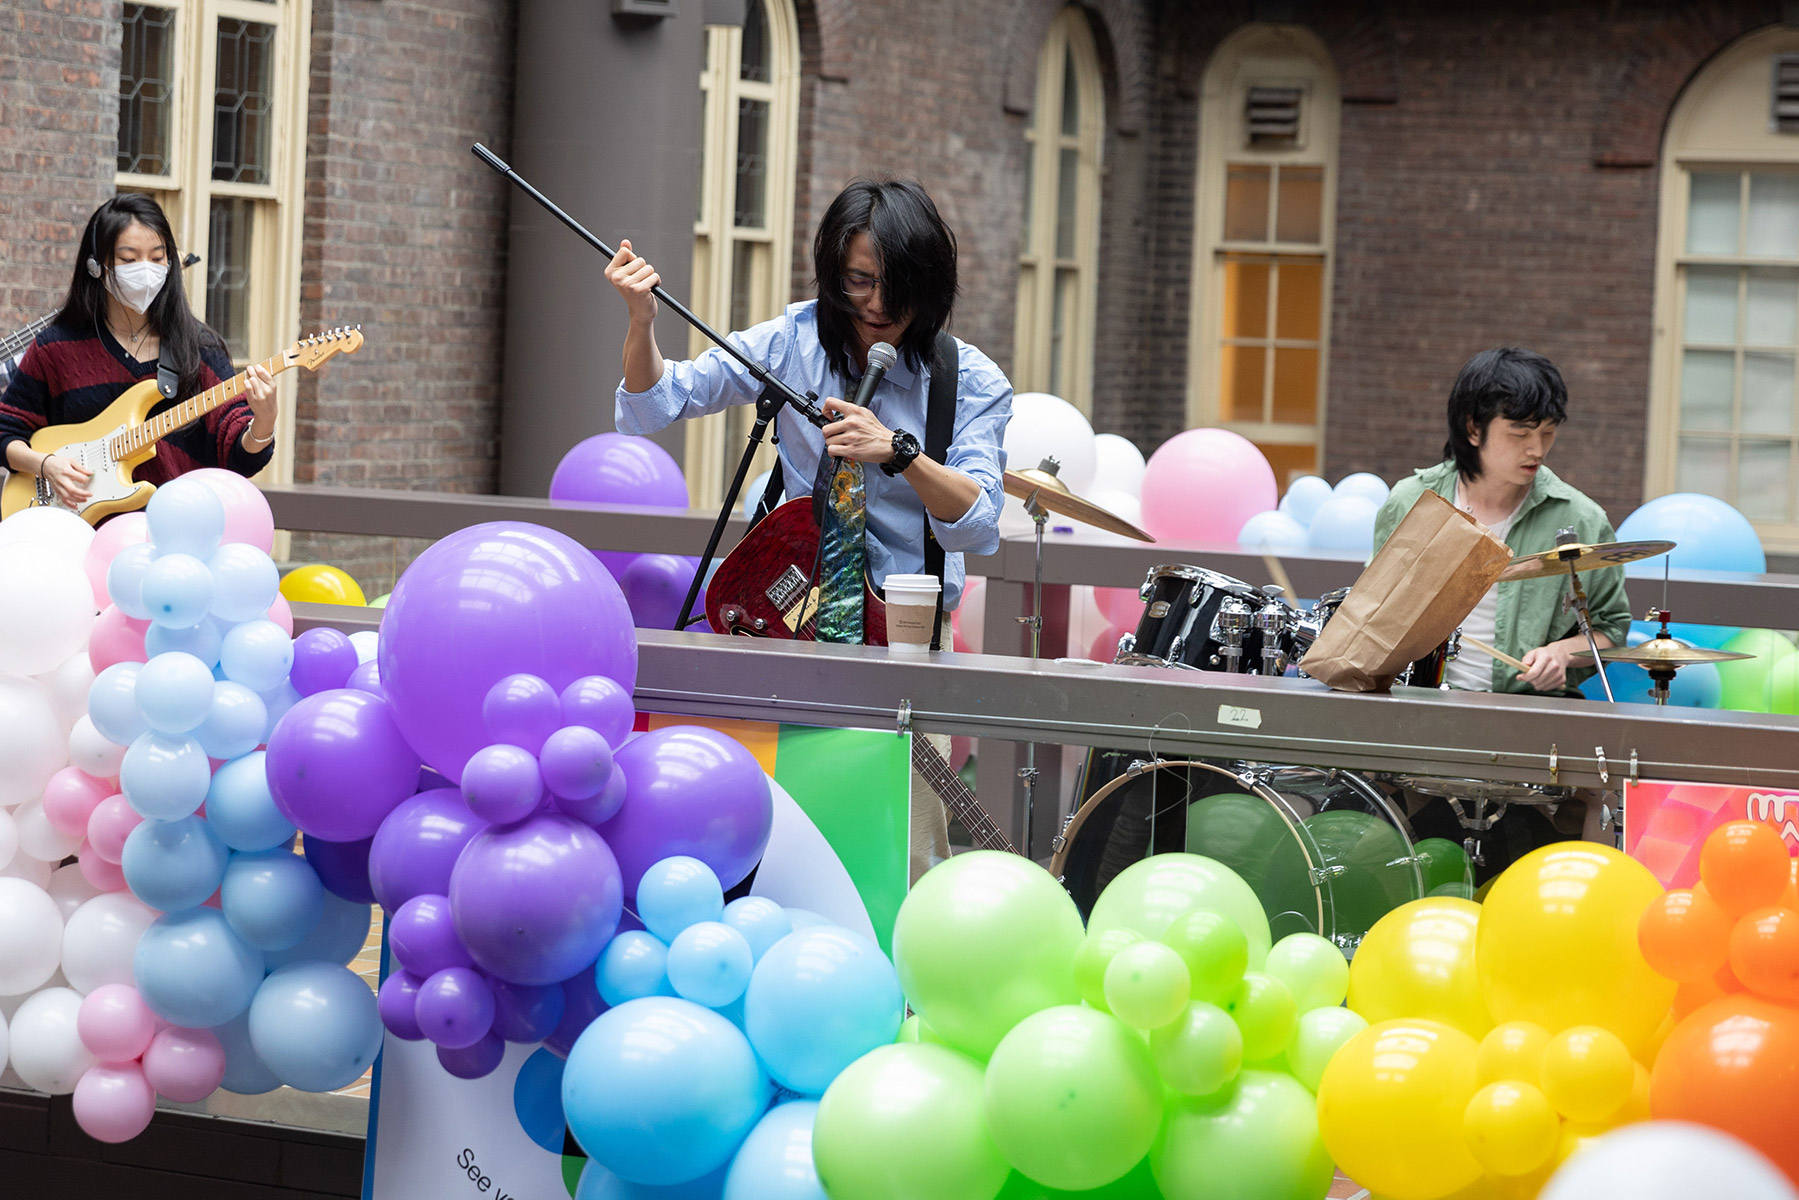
(1321, 1033)
(1092, 959)
(1216, 952)
(1147, 896)
(1199, 1053)
(1370, 874)
(1140, 1184)
(1745, 683)
(1257, 1140)
(1072, 1098)
(381, 600)
(1458, 889)
(908, 1031)
(1783, 687)
(1248, 835)
(983, 941)
(1147, 985)
(903, 1122)
(1263, 1009)
(1313, 969)
(1444, 862)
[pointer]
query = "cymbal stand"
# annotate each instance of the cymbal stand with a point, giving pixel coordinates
(1028, 773)
(1581, 612)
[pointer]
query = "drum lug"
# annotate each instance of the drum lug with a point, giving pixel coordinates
(1325, 874)
(1127, 644)
(1555, 764)
(1605, 775)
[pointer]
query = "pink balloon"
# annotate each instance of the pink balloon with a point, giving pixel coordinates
(1202, 485)
(282, 615)
(71, 797)
(116, 638)
(115, 1023)
(247, 515)
(961, 749)
(124, 530)
(108, 877)
(114, 1102)
(109, 825)
(186, 1065)
(1105, 646)
(1120, 606)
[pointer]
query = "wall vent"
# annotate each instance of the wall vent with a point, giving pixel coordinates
(1272, 115)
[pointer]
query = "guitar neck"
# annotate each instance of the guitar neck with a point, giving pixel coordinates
(14, 343)
(139, 437)
(957, 796)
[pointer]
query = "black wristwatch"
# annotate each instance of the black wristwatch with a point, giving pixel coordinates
(905, 449)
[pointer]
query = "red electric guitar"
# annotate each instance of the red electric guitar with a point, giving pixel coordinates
(761, 589)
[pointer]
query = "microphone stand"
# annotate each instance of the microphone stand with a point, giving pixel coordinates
(774, 395)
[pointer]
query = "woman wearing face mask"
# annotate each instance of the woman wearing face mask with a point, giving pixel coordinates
(127, 310)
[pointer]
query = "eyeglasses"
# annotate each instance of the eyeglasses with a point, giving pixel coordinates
(858, 286)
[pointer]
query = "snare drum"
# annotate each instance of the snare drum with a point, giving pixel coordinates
(1426, 672)
(1204, 621)
(1325, 851)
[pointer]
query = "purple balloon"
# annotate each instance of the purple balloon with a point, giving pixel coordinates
(617, 469)
(343, 867)
(323, 659)
(598, 809)
(526, 1013)
(476, 1061)
(397, 1002)
(485, 603)
(455, 1007)
(338, 765)
(366, 678)
(692, 791)
(581, 1006)
(416, 846)
(536, 901)
(602, 705)
(502, 784)
(422, 935)
(576, 762)
(521, 710)
(655, 586)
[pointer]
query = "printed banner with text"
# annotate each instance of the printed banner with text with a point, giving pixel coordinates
(1666, 823)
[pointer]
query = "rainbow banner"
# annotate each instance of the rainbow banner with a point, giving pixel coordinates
(1666, 823)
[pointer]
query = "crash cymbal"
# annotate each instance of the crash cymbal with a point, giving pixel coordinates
(1586, 556)
(1051, 494)
(1659, 652)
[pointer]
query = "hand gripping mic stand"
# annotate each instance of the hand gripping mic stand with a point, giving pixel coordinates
(768, 404)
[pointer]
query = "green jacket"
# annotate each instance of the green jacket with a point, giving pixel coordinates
(1530, 611)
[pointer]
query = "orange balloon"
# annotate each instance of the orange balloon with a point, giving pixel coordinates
(1790, 897)
(1731, 1066)
(1745, 865)
(1685, 935)
(1764, 952)
(1691, 997)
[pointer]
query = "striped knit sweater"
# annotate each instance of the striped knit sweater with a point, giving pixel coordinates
(70, 375)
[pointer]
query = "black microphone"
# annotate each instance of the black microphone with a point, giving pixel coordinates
(881, 357)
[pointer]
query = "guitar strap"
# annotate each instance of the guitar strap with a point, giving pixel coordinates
(939, 430)
(167, 378)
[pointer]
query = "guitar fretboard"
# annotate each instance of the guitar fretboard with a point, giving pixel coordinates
(954, 793)
(140, 437)
(13, 343)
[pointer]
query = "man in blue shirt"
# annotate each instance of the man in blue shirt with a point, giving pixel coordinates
(886, 271)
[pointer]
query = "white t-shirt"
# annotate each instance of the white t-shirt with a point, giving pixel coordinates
(1472, 671)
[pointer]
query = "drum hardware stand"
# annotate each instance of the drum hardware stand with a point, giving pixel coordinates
(1234, 617)
(1578, 600)
(1028, 773)
(1481, 822)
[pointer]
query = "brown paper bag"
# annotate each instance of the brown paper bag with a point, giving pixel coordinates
(1421, 585)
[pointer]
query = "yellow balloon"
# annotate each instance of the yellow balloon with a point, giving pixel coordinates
(1587, 1073)
(1418, 961)
(320, 584)
(1513, 1050)
(1558, 943)
(1511, 1128)
(1391, 1107)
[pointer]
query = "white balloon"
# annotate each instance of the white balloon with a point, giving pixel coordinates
(70, 889)
(30, 937)
(68, 683)
(971, 612)
(34, 871)
(1363, 483)
(101, 940)
(33, 743)
(1118, 466)
(752, 494)
(1046, 426)
(46, 1049)
(57, 529)
(1123, 505)
(91, 752)
(2, 1043)
(39, 838)
(46, 608)
(1667, 1160)
(9, 838)
(365, 641)
(1303, 497)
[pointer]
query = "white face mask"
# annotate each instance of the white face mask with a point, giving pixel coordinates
(137, 284)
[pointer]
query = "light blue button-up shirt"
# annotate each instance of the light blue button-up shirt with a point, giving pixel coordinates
(788, 346)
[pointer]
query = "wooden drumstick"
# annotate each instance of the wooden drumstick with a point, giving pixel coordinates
(1278, 574)
(1492, 652)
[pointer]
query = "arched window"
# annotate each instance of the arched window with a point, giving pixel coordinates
(1265, 206)
(743, 230)
(1723, 413)
(1057, 271)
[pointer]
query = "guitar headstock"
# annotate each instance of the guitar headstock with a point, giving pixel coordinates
(312, 352)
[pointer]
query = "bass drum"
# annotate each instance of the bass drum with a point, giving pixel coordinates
(1324, 850)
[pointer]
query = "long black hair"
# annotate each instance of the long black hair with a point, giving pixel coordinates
(181, 333)
(1519, 385)
(917, 253)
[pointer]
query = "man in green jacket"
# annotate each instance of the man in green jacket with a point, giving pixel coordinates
(1504, 411)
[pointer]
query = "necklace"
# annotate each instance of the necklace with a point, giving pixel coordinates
(137, 339)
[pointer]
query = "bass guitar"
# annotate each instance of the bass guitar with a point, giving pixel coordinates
(958, 798)
(764, 587)
(113, 444)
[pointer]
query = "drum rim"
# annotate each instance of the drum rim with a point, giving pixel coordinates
(1193, 574)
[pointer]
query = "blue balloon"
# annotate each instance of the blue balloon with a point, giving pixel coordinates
(1344, 523)
(1303, 497)
(760, 920)
(1273, 530)
(677, 892)
(202, 641)
(752, 494)
(315, 1026)
(245, 1073)
(257, 654)
(776, 1160)
(819, 1000)
(339, 936)
(165, 777)
(112, 704)
(175, 692)
(597, 1183)
(709, 963)
(177, 590)
(241, 810)
(125, 579)
(537, 1100)
(244, 583)
(235, 724)
(277, 700)
(1364, 484)
(272, 899)
(174, 865)
(194, 972)
(1709, 535)
(185, 517)
(633, 965)
(662, 1091)
(1697, 686)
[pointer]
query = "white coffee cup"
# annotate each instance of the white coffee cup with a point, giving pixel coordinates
(911, 612)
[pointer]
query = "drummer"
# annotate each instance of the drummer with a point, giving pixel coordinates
(1504, 411)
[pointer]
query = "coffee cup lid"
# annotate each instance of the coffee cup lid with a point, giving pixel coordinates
(911, 583)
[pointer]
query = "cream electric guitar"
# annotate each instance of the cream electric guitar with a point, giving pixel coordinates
(112, 445)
